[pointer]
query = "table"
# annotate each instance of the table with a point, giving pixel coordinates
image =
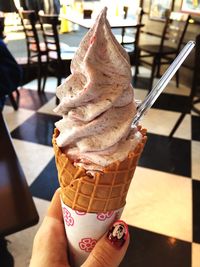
(17, 209)
(115, 22)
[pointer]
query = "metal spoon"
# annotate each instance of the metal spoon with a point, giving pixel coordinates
(162, 83)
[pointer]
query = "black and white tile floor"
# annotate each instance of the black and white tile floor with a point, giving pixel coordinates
(163, 204)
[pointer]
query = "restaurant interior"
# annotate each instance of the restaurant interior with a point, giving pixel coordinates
(39, 38)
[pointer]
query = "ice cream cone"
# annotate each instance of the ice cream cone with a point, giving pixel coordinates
(104, 192)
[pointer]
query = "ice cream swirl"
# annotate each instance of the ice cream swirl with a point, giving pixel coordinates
(97, 102)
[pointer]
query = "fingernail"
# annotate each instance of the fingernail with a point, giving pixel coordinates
(118, 233)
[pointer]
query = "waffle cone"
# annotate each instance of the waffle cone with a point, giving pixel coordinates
(106, 191)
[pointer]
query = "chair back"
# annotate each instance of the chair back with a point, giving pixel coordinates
(49, 25)
(138, 15)
(125, 9)
(174, 30)
(28, 20)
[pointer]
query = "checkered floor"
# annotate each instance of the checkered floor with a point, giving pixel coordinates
(163, 204)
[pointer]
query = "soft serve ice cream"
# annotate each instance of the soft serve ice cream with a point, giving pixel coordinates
(97, 102)
(96, 150)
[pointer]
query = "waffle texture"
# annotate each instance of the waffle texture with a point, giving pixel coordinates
(106, 191)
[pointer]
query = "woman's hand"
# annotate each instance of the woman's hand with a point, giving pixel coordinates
(50, 243)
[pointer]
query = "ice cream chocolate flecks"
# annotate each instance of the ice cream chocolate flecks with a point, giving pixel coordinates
(97, 102)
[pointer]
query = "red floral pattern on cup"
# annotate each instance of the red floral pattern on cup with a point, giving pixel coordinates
(67, 217)
(80, 212)
(87, 244)
(104, 215)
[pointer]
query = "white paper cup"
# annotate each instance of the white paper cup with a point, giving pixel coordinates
(84, 229)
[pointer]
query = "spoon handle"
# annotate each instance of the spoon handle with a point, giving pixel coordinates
(163, 81)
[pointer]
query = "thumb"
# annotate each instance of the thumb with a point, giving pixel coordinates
(111, 248)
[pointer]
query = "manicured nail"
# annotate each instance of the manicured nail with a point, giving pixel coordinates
(118, 233)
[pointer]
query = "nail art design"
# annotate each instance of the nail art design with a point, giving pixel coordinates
(118, 233)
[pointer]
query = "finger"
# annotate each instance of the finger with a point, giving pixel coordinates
(50, 243)
(55, 209)
(111, 248)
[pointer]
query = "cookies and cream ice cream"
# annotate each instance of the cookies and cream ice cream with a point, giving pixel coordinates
(97, 102)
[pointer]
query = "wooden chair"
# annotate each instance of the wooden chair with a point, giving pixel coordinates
(87, 13)
(130, 41)
(193, 98)
(36, 51)
(59, 54)
(170, 44)
(123, 38)
(131, 46)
